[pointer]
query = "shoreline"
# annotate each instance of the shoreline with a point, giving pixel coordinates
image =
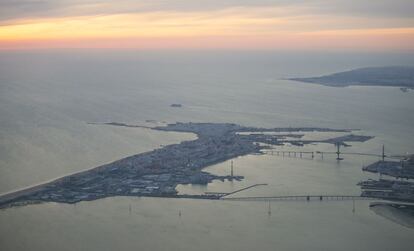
(156, 173)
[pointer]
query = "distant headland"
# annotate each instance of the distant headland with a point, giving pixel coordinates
(394, 76)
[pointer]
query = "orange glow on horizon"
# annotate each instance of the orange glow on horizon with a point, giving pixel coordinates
(236, 28)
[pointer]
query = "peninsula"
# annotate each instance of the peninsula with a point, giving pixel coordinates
(395, 76)
(157, 173)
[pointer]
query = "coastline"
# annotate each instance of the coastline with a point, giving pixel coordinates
(156, 173)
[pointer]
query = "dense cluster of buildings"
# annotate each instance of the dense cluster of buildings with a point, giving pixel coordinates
(398, 186)
(158, 172)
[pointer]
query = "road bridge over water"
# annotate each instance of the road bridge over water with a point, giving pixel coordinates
(300, 197)
(320, 197)
(338, 153)
(223, 194)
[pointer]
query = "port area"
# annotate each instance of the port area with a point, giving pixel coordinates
(395, 182)
(158, 172)
(399, 169)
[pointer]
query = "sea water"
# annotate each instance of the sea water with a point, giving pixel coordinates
(47, 99)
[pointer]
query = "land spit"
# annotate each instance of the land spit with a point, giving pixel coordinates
(158, 172)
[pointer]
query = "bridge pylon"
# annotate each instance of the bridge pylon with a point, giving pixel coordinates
(338, 152)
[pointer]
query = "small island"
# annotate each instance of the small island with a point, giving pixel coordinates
(176, 105)
(394, 76)
(157, 173)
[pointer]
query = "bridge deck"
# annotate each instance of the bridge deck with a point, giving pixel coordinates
(301, 197)
(223, 194)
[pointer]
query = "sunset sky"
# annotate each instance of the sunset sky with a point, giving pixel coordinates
(364, 25)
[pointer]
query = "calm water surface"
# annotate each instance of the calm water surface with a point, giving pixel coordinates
(47, 99)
